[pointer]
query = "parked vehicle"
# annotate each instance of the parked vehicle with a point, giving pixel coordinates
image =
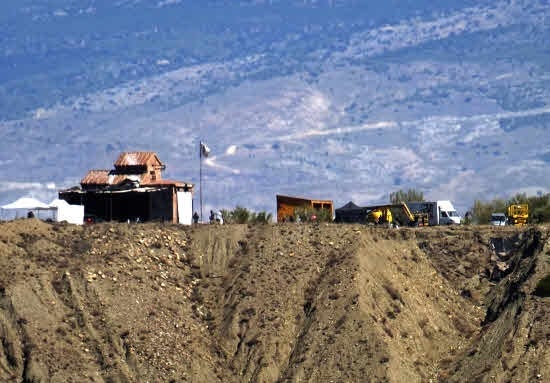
(396, 214)
(439, 212)
(518, 214)
(498, 219)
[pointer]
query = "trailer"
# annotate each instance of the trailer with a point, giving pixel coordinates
(287, 205)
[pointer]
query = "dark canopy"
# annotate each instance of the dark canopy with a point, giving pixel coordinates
(351, 213)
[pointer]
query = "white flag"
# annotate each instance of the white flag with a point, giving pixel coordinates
(205, 150)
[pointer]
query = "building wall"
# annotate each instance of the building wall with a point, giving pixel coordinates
(174, 206)
(157, 205)
(287, 205)
(150, 171)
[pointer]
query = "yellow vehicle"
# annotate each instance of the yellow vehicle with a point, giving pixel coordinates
(380, 215)
(396, 214)
(518, 214)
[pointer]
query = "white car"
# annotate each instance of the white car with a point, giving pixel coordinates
(498, 219)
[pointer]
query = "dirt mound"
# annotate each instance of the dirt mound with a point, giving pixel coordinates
(271, 303)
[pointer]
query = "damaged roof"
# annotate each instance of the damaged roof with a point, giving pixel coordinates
(108, 178)
(136, 159)
(95, 177)
(167, 183)
(126, 173)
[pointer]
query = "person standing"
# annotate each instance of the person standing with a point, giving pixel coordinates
(219, 218)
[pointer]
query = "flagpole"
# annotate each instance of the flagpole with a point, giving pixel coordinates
(200, 176)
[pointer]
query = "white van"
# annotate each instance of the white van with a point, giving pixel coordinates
(439, 212)
(498, 219)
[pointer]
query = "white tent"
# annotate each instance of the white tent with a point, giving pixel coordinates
(65, 212)
(61, 209)
(25, 203)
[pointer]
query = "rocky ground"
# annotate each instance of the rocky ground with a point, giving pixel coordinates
(273, 303)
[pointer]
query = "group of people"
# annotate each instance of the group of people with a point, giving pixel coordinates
(215, 217)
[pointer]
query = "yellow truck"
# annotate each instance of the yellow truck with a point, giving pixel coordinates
(517, 214)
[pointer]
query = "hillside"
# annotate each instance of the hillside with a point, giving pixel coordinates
(272, 303)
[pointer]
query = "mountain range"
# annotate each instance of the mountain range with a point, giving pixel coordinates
(332, 99)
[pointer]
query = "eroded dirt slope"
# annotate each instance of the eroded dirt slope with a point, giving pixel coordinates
(271, 303)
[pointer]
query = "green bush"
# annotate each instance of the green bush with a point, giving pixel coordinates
(242, 215)
(261, 217)
(305, 213)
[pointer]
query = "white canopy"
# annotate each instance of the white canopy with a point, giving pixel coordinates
(58, 203)
(63, 211)
(26, 203)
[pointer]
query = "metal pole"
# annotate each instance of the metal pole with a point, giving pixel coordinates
(200, 175)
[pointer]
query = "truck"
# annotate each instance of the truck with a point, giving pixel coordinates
(439, 212)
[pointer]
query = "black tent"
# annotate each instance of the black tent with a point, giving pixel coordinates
(351, 213)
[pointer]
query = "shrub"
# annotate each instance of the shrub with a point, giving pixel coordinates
(305, 214)
(242, 215)
(262, 217)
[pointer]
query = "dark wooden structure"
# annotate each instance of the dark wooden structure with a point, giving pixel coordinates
(286, 206)
(133, 190)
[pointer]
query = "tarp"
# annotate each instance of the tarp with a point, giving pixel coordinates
(26, 203)
(65, 212)
(351, 213)
(58, 202)
(349, 206)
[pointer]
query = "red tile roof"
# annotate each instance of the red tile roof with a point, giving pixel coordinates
(95, 177)
(118, 175)
(135, 158)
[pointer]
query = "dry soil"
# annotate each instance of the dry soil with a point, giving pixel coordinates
(273, 303)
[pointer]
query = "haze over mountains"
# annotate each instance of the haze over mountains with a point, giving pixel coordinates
(344, 100)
